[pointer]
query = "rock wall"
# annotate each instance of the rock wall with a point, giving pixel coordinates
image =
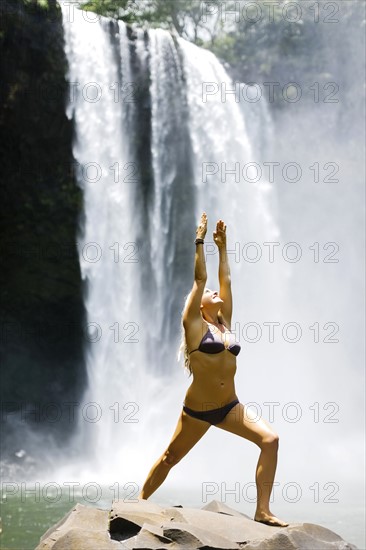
(42, 310)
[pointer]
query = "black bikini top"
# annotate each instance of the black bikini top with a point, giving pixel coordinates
(212, 343)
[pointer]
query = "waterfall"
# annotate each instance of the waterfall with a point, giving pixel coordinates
(141, 166)
(222, 145)
(98, 57)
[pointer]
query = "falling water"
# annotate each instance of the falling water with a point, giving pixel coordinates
(98, 58)
(229, 186)
(135, 239)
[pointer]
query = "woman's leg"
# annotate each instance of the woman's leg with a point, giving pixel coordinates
(243, 422)
(187, 433)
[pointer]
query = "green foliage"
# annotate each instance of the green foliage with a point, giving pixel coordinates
(185, 16)
(108, 8)
(49, 5)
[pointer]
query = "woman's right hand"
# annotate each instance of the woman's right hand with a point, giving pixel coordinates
(202, 227)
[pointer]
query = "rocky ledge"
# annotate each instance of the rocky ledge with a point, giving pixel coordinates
(147, 525)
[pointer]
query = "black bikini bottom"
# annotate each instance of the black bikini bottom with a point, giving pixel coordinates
(214, 416)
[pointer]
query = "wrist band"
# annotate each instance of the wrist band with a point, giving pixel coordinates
(199, 241)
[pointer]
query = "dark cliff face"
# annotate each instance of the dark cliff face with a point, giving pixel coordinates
(42, 312)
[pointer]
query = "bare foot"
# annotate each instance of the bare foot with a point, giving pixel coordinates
(270, 519)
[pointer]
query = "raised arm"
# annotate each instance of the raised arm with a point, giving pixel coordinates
(192, 310)
(224, 272)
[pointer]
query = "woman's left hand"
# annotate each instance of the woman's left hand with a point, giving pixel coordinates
(220, 234)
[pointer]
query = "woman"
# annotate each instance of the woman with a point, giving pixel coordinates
(211, 398)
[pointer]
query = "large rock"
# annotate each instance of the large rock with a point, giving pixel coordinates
(306, 536)
(236, 526)
(82, 528)
(145, 525)
(127, 518)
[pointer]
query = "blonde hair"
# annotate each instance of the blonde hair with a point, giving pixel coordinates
(183, 348)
